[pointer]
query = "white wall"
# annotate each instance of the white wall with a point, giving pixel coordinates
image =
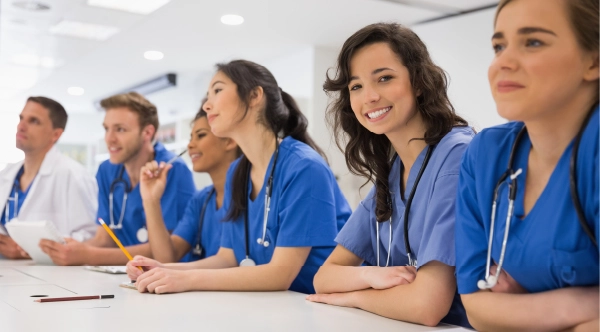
(462, 47)
(8, 129)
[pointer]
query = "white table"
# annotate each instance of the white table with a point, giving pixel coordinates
(133, 311)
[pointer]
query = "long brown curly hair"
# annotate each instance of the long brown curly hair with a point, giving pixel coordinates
(368, 154)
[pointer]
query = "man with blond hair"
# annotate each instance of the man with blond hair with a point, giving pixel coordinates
(130, 125)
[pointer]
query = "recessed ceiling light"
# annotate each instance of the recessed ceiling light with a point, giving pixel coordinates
(33, 60)
(232, 19)
(153, 55)
(143, 7)
(83, 30)
(75, 91)
(31, 5)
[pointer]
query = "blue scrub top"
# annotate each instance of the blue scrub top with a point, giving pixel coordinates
(307, 210)
(547, 249)
(431, 219)
(188, 226)
(11, 204)
(179, 190)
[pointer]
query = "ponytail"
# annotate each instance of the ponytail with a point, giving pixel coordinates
(281, 115)
(296, 125)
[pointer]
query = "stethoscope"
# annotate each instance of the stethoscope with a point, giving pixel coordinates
(411, 261)
(491, 280)
(126, 190)
(248, 261)
(14, 199)
(198, 250)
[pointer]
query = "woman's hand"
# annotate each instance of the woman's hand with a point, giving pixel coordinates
(160, 280)
(388, 277)
(153, 180)
(144, 262)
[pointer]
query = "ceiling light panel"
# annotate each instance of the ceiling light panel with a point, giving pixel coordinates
(75, 91)
(154, 55)
(33, 6)
(232, 19)
(83, 30)
(143, 7)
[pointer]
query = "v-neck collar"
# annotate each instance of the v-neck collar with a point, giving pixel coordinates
(412, 175)
(265, 179)
(522, 161)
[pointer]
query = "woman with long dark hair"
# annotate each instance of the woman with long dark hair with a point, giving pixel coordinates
(393, 119)
(284, 207)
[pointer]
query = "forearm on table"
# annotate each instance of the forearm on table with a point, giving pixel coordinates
(425, 301)
(114, 256)
(593, 325)
(257, 278)
(218, 261)
(554, 310)
(159, 238)
(333, 278)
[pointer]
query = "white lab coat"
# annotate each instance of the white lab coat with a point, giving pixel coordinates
(62, 192)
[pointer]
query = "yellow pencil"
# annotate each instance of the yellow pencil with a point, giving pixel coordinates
(114, 237)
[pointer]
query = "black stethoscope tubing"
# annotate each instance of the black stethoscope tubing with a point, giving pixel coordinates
(199, 249)
(411, 261)
(573, 179)
(572, 175)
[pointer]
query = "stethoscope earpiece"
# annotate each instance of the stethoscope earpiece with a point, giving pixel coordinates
(261, 241)
(488, 283)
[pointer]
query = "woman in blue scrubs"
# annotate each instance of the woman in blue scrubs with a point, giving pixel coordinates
(284, 207)
(401, 133)
(542, 270)
(199, 231)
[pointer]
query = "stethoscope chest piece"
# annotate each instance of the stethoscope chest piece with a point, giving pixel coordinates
(142, 235)
(247, 262)
(198, 250)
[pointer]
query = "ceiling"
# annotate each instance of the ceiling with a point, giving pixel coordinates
(188, 32)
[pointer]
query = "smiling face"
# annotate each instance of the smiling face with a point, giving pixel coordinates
(223, 105)
(35, 130)
(381, 94)
(206, 150)
(539, 68)
(123, 136)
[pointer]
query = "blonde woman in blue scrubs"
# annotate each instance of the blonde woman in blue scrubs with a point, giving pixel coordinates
(542, 271)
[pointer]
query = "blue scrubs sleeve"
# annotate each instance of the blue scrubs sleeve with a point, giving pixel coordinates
(470, 234)
(187, 228)
(307, 207)
(437, 243)
(356, 234)
(179, 190)
(103, 191)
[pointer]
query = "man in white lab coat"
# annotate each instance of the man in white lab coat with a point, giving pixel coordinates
(47, 185)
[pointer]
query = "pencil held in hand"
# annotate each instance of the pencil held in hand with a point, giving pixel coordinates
(114, 237)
